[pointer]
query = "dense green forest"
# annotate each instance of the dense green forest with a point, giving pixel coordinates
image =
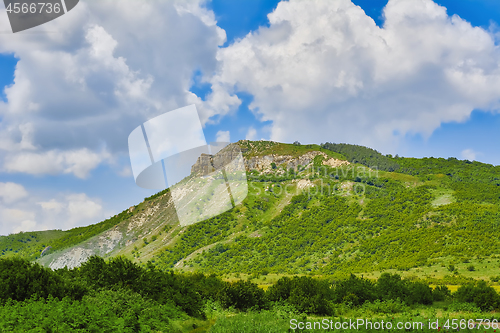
(363, 155)
(121, 296)
(431, 213)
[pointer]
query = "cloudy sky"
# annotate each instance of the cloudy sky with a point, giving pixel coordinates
(408, 77)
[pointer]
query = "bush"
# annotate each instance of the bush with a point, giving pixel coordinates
(209, 287)
(354, 290)
(21, 279)
(441, 293)
(243, 295)
(390, 286)
(105, 311)
(305, 294)
(463, 307)
(387, 307)
(118, 272)
(162, 287)
(480, 294)
(166, 286)
(419, 293)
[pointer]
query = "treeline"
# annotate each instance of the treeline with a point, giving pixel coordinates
(363, 155)
(148, 297)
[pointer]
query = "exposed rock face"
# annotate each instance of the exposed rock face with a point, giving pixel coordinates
(334, 163)
(226, 155)
(207, 164)
(203, 165)
(73, 258)
(264, 163)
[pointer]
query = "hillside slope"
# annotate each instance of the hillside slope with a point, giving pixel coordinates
(310, 209)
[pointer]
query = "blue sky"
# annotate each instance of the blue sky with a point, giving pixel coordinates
(63, 164)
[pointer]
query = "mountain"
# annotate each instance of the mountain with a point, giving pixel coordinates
(320, 209)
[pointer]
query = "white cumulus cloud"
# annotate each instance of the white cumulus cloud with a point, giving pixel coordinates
(77, 162)
(24, 211)
(83, 82)
(222, 136)
(251, 134)
(11, 192)
(324, 71)
(469, 154)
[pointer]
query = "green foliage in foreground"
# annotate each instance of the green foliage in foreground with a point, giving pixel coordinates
(120, 296)
(104, 311)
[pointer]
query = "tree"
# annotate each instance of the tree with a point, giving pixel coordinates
(21, 279)
(390, 286)
(479, 293)
(354, 290)
(420, 293)
(243, 295)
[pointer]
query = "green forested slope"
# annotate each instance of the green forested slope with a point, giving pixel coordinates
(325, 220)
(440, 209)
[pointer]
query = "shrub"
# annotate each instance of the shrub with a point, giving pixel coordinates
(304, 293)
(118, 272)
(387, 307)
(479, 293)
(243, 295)
(162, 287)
(21, 279)
(390, 286)
(465, 307)
(209, 287)
(441, 293)
(354, 290)
(281, 290)
(419, 293)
